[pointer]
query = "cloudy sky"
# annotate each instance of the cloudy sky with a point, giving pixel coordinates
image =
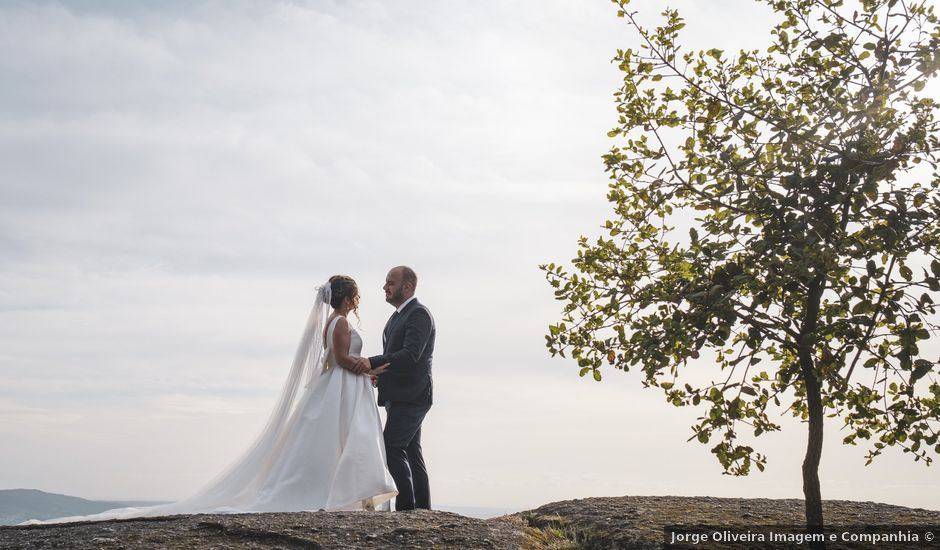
(177, 177)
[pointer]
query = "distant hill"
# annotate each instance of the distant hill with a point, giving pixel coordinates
(18, 505)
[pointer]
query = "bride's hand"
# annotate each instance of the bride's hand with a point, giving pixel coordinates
(360, 366)
(378, 370)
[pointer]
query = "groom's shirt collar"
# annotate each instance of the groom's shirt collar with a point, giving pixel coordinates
(401, 307)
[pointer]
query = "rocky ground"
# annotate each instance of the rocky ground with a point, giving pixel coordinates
(313, 530)
(595, 523)
(638, 522)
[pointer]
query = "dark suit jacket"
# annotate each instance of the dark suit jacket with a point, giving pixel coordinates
(408, 348)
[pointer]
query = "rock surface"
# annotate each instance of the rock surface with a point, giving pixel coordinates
(312, 530)
(638, 522)
(595, 523)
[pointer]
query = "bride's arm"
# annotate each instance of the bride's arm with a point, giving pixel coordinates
(341, 349)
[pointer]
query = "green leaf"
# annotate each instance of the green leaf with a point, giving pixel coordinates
(921, 368)
(715, 53)
(714, 109)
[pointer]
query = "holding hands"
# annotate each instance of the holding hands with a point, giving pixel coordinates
(377, 370)
(374, 374)
(361, 366)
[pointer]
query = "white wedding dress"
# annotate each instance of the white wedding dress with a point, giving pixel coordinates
(321, 450)
(334, 455)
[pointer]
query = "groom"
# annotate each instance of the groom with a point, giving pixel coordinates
(405, 387)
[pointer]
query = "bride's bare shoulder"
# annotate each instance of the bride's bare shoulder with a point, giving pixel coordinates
(335, 321)
(340, 324)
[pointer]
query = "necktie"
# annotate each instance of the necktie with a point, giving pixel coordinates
(388, 325)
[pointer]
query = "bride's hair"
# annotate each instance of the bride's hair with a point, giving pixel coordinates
(342, 287)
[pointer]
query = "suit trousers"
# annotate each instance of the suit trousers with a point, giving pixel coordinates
(403, 454)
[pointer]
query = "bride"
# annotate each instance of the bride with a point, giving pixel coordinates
(322, 448)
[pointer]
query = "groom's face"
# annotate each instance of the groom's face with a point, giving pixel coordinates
(394, 288)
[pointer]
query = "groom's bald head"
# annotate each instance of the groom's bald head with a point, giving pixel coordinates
(408, 276)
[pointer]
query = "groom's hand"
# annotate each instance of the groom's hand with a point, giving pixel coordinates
(374, 374)
(378, 370)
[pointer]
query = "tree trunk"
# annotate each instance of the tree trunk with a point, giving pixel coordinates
(811, 492)
(806, 346)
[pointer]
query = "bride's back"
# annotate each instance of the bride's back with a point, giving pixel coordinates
(355, 341)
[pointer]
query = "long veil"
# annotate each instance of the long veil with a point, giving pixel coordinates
(237, 487)
(239, 484)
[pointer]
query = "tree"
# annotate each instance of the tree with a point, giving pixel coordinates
(810, 268)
